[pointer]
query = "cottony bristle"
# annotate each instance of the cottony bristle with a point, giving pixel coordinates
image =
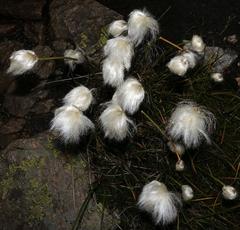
(129, 95)
(80, 96)
(141, 23)
(117, 27)
(75, 54)
(113, 72)
(178, 65)
(190, 124)
(70, 124)
(217, 77)
(22, 61)
(176, 148)
(159, 202)
(116, 125)
(197, 44)
(192, 58)
(120, 49)
(229, 192)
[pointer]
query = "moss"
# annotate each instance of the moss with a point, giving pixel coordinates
(84, 40)
(50, 146)
(38, 199)
(35, 198)
(103, 37)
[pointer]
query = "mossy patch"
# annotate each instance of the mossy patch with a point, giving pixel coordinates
(25, 194)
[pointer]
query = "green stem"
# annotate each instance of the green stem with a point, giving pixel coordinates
(176, 181)
(155, 124)
(213, 177)
(56, 58)
(78, 221)
(216, 179)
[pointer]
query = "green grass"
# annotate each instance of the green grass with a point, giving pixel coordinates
(124, 168)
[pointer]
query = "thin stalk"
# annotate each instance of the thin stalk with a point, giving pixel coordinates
(155, 124)
(56, 58)
(171, 43)
(78, 221)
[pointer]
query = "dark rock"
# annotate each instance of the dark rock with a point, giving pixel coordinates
(5, 82)
(34, 31)
(12, 126)
(43, 189)
(7, 29)
(44, 68)
(60, 46)
(6, 50)
(6, 139)
(81, 21)
(18, 105)
(43, 107)
(24, 9)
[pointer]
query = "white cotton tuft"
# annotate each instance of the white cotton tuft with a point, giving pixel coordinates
(159, 202)
(197, 44)
(229, 192)
(176, 148)
(217, 77)
(191, 124)
(191, 57)
(113, 72)
(75, 54)
(115, 123)
(120, 49)
(81, 97)
(140, 23)
(129, 95)
(180, 166)
(22, 61)
(178, 65)
(187, 192)
(116, 28)
(70, 124)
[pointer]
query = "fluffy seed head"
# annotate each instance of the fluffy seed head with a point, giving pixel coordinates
(197, 44)
(113, 72)
(120, 49)
(75, 54)
(115, 123)
(192, 58)
(116, 28)
(80, 96)
(191, 124)
(217, 77)
(70, 124)
(140, 23)
(129, 95)
(187, 192)
(180, 166)
(229, 192)
(176, 148)
(22, 61)
(159, 202)
(178, 65)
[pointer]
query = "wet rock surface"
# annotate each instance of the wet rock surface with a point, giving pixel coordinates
(12, 126)
(34, 31)
(18, 106)
(43, 189)
(81, 23)
(25, 9)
